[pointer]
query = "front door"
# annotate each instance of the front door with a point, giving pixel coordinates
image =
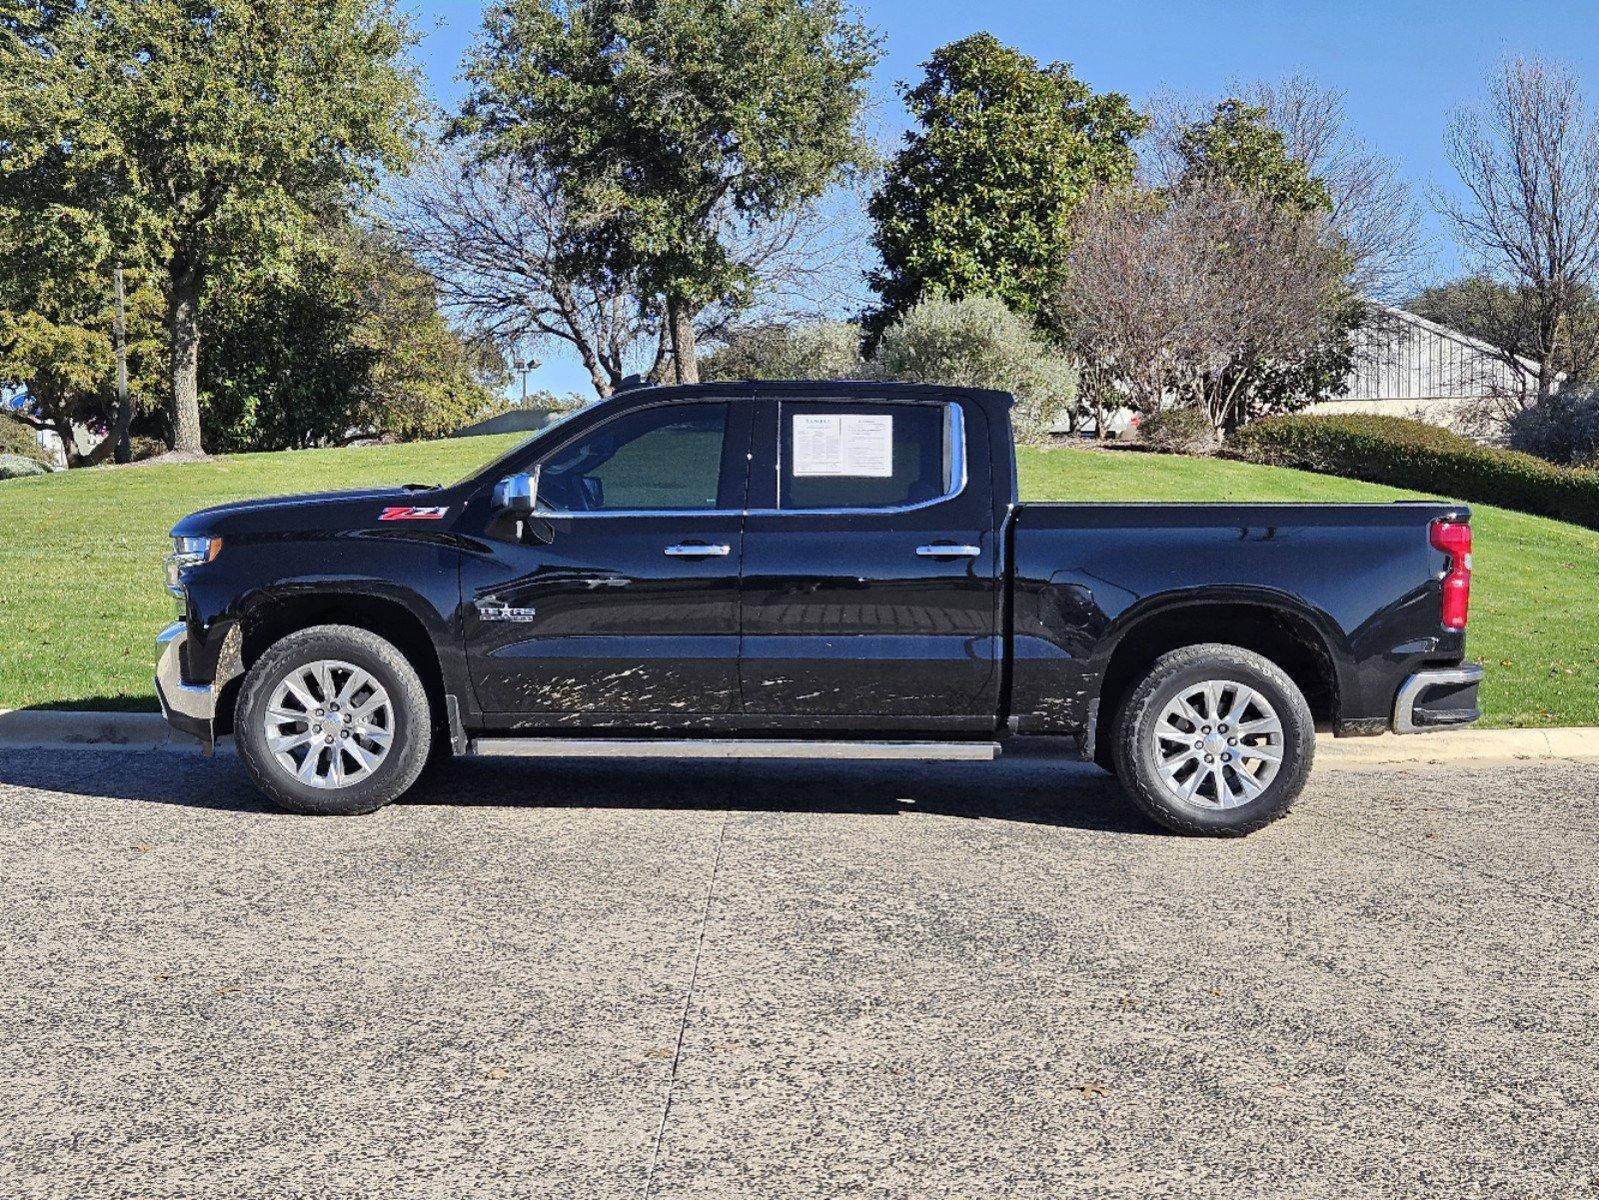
(871, 567)
(621, 608)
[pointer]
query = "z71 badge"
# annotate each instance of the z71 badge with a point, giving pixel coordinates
(411, 512)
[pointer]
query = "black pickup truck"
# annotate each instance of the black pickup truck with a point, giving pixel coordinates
(792, 570)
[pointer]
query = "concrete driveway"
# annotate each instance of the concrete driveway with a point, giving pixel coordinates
(794, 980)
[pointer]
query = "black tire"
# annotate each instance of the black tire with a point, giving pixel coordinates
(412, 727)
(1135, 753)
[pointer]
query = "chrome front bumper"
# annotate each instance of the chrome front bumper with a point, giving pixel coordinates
(189, 708)
(1458, 700)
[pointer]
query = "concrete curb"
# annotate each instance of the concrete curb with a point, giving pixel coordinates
(46, 729)
(39, 729)
(1465, 745)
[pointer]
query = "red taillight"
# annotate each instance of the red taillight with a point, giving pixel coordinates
(1454, 539)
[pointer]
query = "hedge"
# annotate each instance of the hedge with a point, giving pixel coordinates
(1423, 458)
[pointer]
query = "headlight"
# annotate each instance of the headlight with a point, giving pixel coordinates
(186, 552)
(196, 549)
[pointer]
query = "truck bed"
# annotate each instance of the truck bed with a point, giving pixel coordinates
(1355, 586)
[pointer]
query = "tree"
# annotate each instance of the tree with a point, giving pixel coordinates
(348, 343)
(59, 309)
(979, 342)
(209, 130)
(1211, 295)
(67, 285)
(979, 199)
(666, 124)
(495, 234)
(1239, 146)
(1529, 216)
(1369, 210)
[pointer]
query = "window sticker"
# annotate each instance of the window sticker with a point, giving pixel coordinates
(850, 445)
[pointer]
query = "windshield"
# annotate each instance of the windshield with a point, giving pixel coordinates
(555, 423)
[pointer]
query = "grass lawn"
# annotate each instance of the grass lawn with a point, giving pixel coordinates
(81, 594)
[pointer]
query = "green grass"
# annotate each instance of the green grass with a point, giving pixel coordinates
(81, 594)
(1534, 591)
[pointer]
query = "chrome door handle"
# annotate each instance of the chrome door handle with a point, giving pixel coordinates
(697, 550)
(949, 551)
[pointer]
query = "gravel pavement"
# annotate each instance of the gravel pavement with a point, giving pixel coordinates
(605, 979)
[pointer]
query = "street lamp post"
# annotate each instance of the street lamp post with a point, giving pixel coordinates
(526, 366)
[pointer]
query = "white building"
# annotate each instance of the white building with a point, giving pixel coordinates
(1408, 366)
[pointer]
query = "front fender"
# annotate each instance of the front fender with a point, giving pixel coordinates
(268, 589)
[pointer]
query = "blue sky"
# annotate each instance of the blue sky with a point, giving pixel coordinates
(1402, 65)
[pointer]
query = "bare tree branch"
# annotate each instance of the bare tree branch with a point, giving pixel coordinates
(498, 240)
(1208, 295)
(1529, 216)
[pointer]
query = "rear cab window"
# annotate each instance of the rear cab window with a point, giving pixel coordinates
(853, 455)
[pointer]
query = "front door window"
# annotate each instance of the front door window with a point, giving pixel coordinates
(662, 459)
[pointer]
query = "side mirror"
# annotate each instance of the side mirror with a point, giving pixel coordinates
(517, 493)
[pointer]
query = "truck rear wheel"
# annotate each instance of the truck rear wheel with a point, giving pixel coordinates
(333, 721)
(1215, 740)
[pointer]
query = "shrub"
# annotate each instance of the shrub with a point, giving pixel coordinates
(978, 342)
(819, 350)
(18, 438)
(1178, 431)
(15, 466)
(1424, 458)
(146, 447)
(1564, 429)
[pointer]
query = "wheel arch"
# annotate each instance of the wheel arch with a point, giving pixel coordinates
(274, 616)
(1294, 639)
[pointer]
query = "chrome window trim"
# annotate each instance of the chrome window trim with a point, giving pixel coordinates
(954, 449)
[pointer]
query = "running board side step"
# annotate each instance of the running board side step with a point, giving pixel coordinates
(544, 747)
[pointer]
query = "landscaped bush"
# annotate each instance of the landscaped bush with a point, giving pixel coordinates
(18, 438)
(978, 342)
(145, 447)
(811, 350)
(1564, 429)
(1425, 459)
(1178, 431)
(14, 466)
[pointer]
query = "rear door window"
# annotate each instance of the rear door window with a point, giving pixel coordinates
(838, 455)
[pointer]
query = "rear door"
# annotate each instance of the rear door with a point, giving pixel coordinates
(871, 566)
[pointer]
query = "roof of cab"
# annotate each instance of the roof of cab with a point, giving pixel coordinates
(864, 389)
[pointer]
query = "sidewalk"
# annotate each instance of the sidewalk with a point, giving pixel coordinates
(46, 729)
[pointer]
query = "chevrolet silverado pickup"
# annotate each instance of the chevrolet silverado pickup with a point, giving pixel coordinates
(793, 570)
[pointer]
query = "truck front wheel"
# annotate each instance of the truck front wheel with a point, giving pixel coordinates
(332, 720)
(1215, 740)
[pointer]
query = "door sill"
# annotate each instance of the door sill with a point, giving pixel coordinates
(543, 747)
